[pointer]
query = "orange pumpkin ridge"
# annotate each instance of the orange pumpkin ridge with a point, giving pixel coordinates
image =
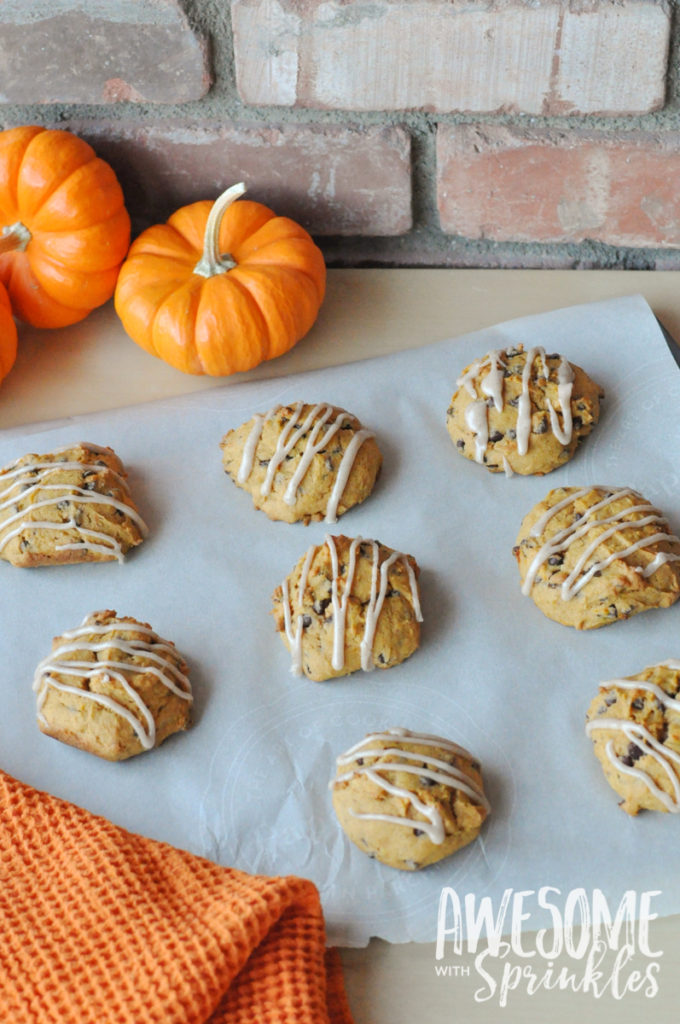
(221, 287)
(65, 229)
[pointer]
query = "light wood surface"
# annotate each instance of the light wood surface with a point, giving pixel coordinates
(94, 366)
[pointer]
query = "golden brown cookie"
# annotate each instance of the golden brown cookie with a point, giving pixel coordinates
(349, 604)
(303, 462)
(112, 687)
(589, 556)
(634, 724)
(71, 505)
(409, 799)
(522, 412)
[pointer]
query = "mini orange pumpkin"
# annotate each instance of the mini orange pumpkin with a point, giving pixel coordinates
(8, 334)
(221, 287)
(65, 230)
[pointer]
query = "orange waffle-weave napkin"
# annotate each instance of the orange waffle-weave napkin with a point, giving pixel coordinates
(100, 926)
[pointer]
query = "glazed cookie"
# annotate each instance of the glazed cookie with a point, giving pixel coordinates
(634, 724)
(71, 505)
(522, 412)
(303, 462)
(591, 555)
(349, 604)
(409, 799)
(112, 687)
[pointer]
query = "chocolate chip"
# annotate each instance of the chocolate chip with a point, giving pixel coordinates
(24, 545)
(514, 402)
(88, 486)
(628, 761)
(320, 606)
(613, 611)
(490, 403)
(541, 427)
(610, 699)
(89, 472)
(496, 436)
(381, 659)
(460, 444)
(425, 781)
(264, 462)
(512, 434)
(637, 704)
(634, 752)
(578, 515)
(577, 422)
(418, 832)
(556, 560)
(553, 355)
(306, 621)
(63, 506)
(360, 761)
(450, 411)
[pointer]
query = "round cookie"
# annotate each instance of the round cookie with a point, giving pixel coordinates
(303, 462)
(589, 556)
(409, 799)
(522, 412)
(634, 724)
(70, 505)
(112, 687)
(349, 604)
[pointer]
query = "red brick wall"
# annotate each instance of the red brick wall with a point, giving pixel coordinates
(408, 132)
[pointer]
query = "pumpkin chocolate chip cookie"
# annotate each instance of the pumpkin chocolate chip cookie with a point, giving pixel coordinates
(112, 687)
(348, 605)
(303, 462)
(71, 505)
(634, 724)
(409, 799)
(522, 412)
(590, 556)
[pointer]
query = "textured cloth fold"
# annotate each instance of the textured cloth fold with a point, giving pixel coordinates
(98, 925)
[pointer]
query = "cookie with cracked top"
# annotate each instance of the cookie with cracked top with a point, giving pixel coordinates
(303, 462)
(525, 412)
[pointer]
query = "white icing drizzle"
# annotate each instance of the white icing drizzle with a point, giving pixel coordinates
(477, 415)
(477, 421)
(436, 770)
(379, 583)
(250, 447)
(31, 476)
(507, 467)
(635, 732)
(289, 436)
(582, 572)
(149, 646)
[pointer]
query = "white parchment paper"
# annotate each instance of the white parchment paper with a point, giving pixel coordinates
(248, 785)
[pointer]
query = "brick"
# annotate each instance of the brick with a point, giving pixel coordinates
(554, 57)
(511, 184)
(55, 51)
(333, 180)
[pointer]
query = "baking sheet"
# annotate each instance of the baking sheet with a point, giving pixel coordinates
(248, 785)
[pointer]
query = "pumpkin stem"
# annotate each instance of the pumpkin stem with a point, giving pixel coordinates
(213, 261)
(14, 237)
